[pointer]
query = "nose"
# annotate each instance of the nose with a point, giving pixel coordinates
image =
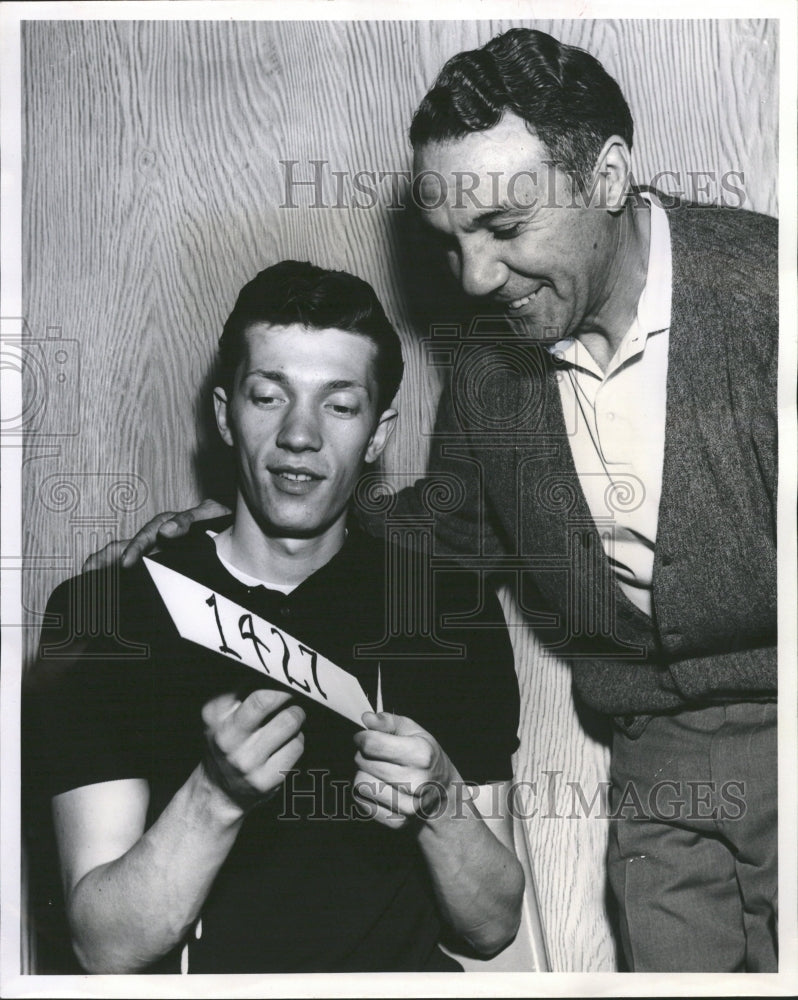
(480, 269)
(300, 429)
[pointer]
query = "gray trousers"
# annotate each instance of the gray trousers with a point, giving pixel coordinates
(693, 851)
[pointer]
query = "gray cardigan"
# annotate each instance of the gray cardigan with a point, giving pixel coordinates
(501, 445)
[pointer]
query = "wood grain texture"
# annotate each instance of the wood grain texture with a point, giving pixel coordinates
(153, 190)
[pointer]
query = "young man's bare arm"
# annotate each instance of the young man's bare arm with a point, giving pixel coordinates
(478, 879)
(133, 894)
(405, 777)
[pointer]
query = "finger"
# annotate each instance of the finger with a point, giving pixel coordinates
(272, 773)
(144, 540)
(372, 810)
(178, 524)
(396, 798)
(393, 774)
(209, 508)
(105, 557)
(412, 794)
(257, 707)
(257, 748)
(375, 796)
(388, 722)
(407, 751)
(220, 709)
(382, 722)
(424, 790)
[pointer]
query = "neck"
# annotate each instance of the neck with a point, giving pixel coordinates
(281, 560)
(603, 331)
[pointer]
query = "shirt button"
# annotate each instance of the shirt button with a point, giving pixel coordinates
(610, 415)
(285, 611)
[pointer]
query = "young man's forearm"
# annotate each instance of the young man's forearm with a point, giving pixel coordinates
(478, 882)
(128, 913)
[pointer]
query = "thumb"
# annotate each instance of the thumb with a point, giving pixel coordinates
(215, 711)
(387, 722)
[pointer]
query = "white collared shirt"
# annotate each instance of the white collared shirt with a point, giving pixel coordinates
(616, 424)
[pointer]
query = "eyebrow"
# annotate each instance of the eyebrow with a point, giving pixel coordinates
(332, 386)
(505, 208)
(489, 216)
(271, 376)
(343, 383)
(485, 218)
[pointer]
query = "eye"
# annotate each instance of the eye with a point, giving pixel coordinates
(507, 232)
(267, 400)
(343, 409)
(343, 404)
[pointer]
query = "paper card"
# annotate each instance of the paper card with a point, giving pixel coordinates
(211, 620)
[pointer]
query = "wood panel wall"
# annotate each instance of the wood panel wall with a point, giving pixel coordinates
(153, 191)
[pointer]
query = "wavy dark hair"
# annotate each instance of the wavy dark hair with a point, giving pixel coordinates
(564, 94)
(295, 291)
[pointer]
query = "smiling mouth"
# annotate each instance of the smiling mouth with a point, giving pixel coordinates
(516, 304)
(297, 477)
(294, 471)
(295, 480)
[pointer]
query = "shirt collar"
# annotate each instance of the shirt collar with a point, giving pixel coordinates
(654, 307)
(253, 581)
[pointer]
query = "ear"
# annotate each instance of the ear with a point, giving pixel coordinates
(612, 175)
(220, 408)
(382, 433)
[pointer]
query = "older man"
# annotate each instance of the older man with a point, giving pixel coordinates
(616, 435)
(648, 343)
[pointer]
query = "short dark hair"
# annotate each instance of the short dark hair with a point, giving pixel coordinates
(566, 97)
(295, 291)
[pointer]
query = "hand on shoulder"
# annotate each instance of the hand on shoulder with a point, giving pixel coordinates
(166, 525)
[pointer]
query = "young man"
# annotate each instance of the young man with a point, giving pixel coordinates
(206, 816)
(627, 453)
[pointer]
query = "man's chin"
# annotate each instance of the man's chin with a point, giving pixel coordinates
(532, 328)
(292, 528)
(280, 516)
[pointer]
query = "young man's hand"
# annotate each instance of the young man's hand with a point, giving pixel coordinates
(402, 771)
(166, 525)
(250, 744)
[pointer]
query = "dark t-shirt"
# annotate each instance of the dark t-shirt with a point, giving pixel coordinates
(308, 885)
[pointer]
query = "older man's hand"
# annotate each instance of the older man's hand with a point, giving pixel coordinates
(163, 526)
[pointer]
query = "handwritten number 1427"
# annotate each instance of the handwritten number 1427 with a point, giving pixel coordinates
(246, 629)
